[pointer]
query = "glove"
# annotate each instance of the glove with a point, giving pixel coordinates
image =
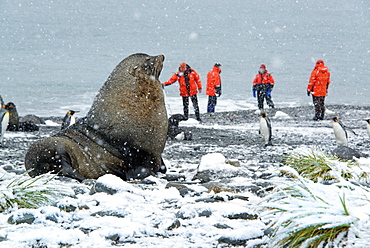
(308, 93)
(268, 93)
(254, 93)
(218, 91)
(200, 90)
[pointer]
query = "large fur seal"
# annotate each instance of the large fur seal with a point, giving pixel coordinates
(124, 132)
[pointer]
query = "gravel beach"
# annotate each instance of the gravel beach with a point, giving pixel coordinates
(232, 134)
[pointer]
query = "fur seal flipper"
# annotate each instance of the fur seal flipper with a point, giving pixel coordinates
(124, 133)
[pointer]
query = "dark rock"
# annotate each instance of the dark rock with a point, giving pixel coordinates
(182, 215)
(99, 187)
(55, 217)
(214, 198)
(233, 162)
(3, 237)
(266, 176)
(231, 241)
(222, 226)
(268, 231)
(240, 197)
(175, 185)
(80, 189)
(108, 213)
(147, 181)
(347, 153)
(86, 230)
(205, 213)
(32, 119)
(243, 216)
(89, 182)
(27, 218)
(211, 175)
(113, 237)
(67, 208)
(174, 177)
(175, 224)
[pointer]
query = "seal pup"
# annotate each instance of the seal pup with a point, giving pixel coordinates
(124, 132)
(13, 117)
(265, 129)
(69, 119)
(4, 120)
(173, 128)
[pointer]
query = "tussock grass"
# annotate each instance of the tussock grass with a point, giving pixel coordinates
(305, 212)
(27, 192)
(318, 166)
(308, 214)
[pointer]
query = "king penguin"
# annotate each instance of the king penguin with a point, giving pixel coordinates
(265, 129)
(368, 127)
(69, 119)
(4, 118)
(340, 132)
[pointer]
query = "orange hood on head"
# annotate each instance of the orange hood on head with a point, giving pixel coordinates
(182, 66)
(216, 69)
(319, 63)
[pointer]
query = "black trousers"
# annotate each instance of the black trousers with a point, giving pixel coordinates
(319, 103)
(212, 102)
(261, 95)
(194, 100)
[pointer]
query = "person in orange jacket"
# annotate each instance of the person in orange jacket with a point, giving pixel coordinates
(262, 87)
(318, 86)
(213, 87)
(190, 86)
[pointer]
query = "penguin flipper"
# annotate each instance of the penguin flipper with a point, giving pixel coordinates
(350, 129)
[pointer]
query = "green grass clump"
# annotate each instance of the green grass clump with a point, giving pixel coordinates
(27, 192)
(318, 166)
(314, 236)
(307, 214)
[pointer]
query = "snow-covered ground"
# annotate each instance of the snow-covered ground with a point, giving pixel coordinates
(212, 196)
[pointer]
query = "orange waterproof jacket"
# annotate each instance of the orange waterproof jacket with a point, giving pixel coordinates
(213, 80)
(263, 79)
(194, 83)
(319, 81)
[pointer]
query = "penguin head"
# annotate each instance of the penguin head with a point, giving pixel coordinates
(368, 121)
(335, 119)
(264, 115)
(72, 112)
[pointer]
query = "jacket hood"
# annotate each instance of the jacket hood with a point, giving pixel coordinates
(216, 69)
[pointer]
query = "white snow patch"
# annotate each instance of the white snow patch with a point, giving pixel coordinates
(329, 112)
(281, 115)
(214, 161)
(51, 123)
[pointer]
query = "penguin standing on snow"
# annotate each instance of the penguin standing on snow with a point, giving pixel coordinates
(69, 119)
(368, 127)
(340, 132)
(4, 120)
(265, 129)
